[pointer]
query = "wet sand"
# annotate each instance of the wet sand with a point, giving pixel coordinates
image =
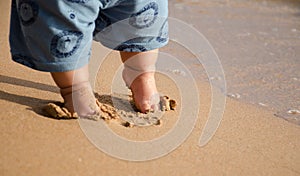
(249, 141)
(257, 42)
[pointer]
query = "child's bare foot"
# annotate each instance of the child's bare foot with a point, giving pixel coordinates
(138, 74)
(143, 89)
(80, 99)
(77, 92)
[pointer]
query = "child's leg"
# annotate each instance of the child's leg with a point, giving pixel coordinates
(134, 27)
(138, 74)
(76, 91)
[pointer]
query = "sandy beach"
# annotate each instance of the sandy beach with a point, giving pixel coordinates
(250, 140)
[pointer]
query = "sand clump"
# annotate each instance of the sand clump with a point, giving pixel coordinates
(58, 111)
(118, 108)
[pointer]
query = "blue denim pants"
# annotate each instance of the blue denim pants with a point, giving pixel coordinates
(56, 35)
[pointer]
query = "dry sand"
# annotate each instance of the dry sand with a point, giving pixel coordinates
(249, 141)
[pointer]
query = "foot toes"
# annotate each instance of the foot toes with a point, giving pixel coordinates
(145, 107)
